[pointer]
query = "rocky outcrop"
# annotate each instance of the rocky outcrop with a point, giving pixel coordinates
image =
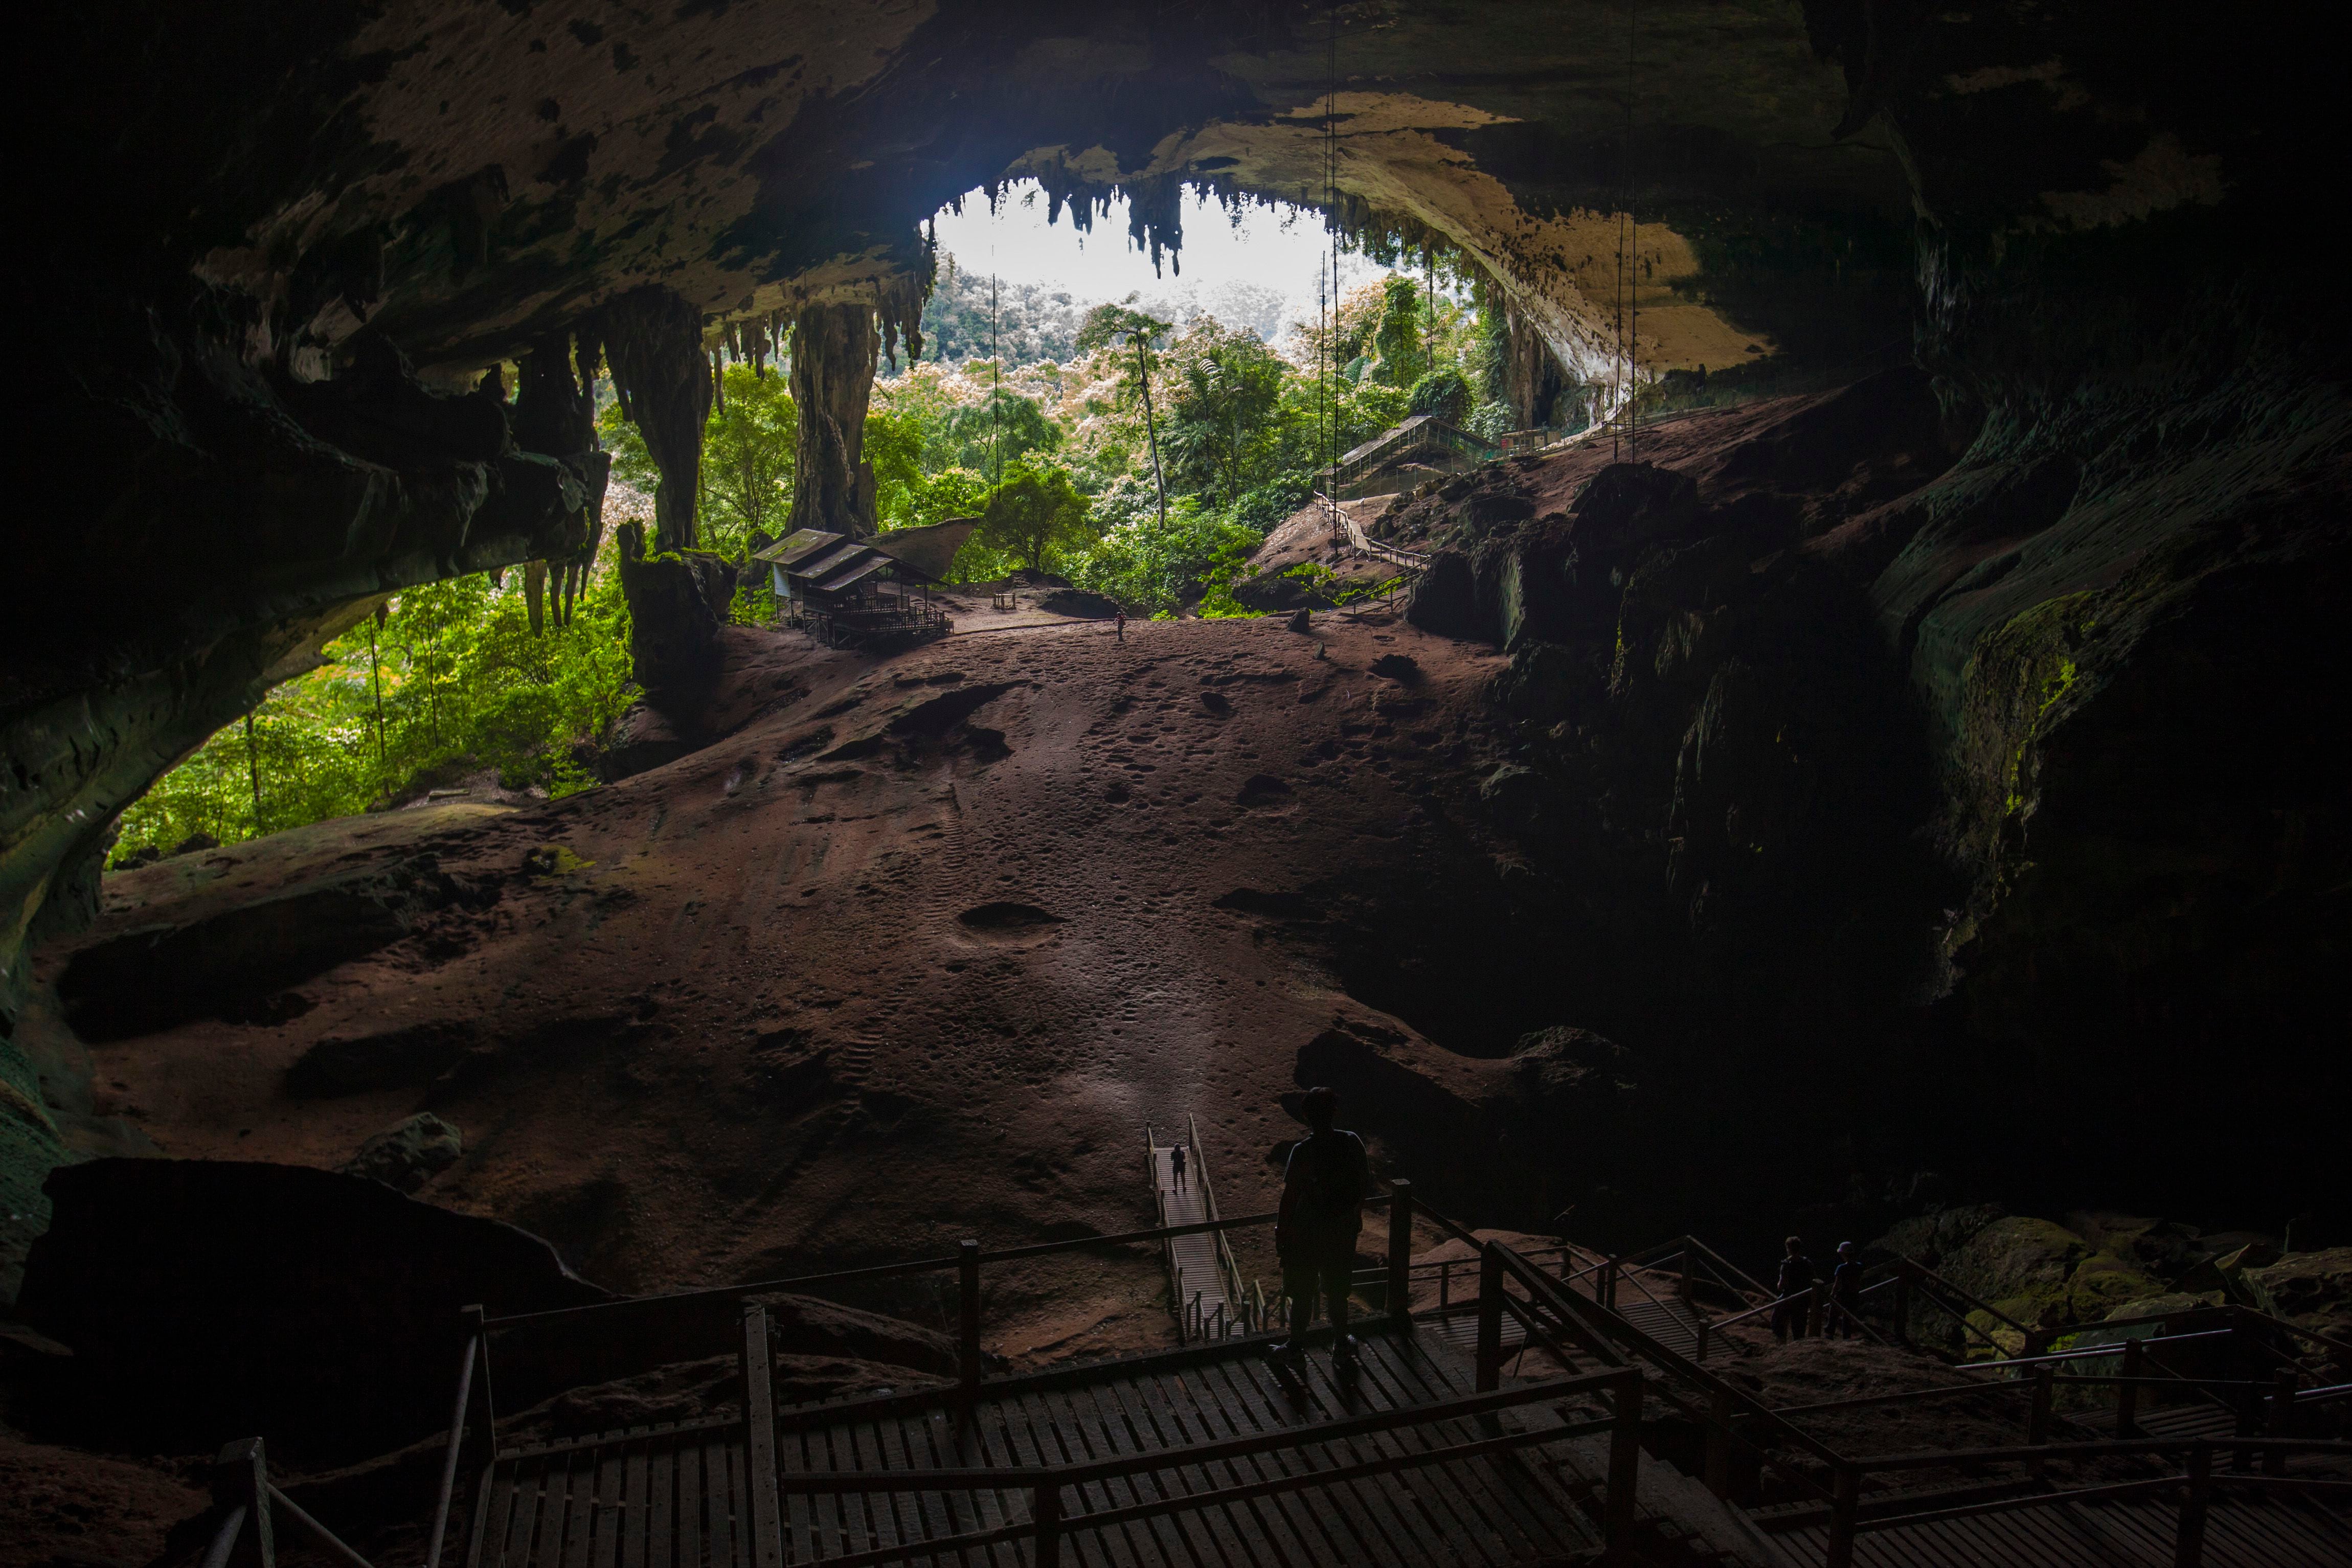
(410, 1153)
(677, 601)
(241, 954)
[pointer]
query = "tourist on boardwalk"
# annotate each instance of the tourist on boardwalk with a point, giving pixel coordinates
(1176, 1162)
(1793, 1289)
(1315, 1232)
(1845, 1291)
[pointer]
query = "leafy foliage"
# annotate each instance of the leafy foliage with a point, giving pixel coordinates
(1444, 393)
(996, 433)
(1224, 386)
(1241, 427)
(1036, 509)
(749, 452)
(1023, 324)
(462, 685)
(1400, 356)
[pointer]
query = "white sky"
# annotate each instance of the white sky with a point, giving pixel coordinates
(1283, 248)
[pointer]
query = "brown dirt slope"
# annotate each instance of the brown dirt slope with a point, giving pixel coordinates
(914, 957)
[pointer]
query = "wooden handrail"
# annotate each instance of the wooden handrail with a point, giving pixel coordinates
(1691, 1372)
(2312, 1334)
(897, 1270)
(224, 1539)
(1001, 1477)
(1921, 1273)
(1721, 1262)
(1927, 1459)
(2084, 1351)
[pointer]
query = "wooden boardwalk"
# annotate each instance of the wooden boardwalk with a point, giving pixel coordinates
(2240, 1533)
(1214, 1457)
(1199, 1284)
(683, 1498)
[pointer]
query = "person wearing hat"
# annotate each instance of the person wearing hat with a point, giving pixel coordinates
(1789, 1289)
(1845, 1291)
(1314, 1231)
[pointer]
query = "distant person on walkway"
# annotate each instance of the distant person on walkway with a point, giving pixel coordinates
(1845, 1291)
(1315, 1233)
(1119, 623)
(1176, 1162)
(1791, 1289)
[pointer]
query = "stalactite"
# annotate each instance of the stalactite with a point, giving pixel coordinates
(833, 350)
(718, 382)
(899, 308)
(653, 341)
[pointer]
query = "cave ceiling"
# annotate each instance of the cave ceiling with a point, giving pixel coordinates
(256, 229)
(471, 177)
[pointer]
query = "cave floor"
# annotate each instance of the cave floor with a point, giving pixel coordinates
(912, 955)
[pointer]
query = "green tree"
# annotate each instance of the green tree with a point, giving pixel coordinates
(464, 684)
(749, 450)
(1107, 324)
(894, 449)
(1224, 389)
(1399, 350)
(1444, 393)
(1037, 508)
(991, 435)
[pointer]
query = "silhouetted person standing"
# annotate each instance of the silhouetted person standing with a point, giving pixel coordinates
(1845, 1291)
(1796, 1280)
(1176, 1162)
(1315, 1233)
(1119, 624)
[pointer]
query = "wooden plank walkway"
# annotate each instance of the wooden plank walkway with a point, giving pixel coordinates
(1492, 1509)
(1670, 1323)
(653, 1497)
(687, 1497)
(2240, 1533)
(1202, 1296)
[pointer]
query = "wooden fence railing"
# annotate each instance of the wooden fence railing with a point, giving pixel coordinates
(1569, 1307)
(1574, 1324)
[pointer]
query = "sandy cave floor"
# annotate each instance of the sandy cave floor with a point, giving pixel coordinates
(831, 992)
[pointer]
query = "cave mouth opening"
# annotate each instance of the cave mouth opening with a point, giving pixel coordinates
(1014, 260)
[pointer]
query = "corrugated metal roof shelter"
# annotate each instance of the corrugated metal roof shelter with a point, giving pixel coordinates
(838, 587)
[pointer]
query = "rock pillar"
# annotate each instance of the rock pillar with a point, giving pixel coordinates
(653, 339)
(832, 377)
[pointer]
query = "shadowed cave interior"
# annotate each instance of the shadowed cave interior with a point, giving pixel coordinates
(1902, 798)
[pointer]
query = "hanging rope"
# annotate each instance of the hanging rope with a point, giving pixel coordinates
(1633, 262)
(1331, 206)
(995, 361)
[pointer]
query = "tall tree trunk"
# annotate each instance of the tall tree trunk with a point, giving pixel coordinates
(1150, 431)
(653, 339)
(834, 348)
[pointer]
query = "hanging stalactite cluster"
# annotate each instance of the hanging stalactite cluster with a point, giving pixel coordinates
(555, 415)
(653, 339)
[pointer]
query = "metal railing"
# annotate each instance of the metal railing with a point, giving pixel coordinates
(250, 1504)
